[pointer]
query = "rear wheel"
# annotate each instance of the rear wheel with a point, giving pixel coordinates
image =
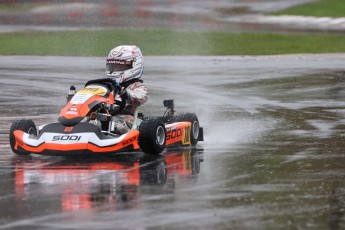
(152, 136)
(25, 125)
(195, 128)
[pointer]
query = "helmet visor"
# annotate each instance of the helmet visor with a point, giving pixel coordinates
(114, 65)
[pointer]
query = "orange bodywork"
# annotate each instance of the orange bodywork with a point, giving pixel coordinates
(131, 138)
(178, 132)
(80, 104)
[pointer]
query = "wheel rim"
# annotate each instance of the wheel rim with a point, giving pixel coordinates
(32, 131)
(160, 135)
(195, 129)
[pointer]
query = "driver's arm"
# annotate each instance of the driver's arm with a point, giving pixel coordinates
(137, 93)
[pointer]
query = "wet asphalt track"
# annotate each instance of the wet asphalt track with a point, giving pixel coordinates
(273, 156)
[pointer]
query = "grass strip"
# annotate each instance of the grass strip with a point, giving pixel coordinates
(167, 42)
(321, 8)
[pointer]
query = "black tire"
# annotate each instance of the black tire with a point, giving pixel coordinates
(24, 125)
(152, 137)
(194, 132)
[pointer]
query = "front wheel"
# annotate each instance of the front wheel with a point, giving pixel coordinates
(152, 136)
(25, 125)
(193, 119)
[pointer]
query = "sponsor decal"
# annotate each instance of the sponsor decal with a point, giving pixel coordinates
(68, 129)
(72, 112)
(173, 133)
(80, 98)
(119, 62)
(127, 142)
(73, 109)
(66, 138)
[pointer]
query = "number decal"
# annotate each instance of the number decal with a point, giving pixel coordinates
(186, 138)
(94, 90)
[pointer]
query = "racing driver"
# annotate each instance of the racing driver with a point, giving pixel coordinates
(125, 65)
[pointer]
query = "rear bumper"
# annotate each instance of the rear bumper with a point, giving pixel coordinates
(84, 138)
(201, 134)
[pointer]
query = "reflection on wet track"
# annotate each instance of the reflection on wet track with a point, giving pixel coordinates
(109, 183)
(90, 185)
(273, 156)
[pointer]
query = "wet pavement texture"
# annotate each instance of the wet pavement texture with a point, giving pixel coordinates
(273, 155)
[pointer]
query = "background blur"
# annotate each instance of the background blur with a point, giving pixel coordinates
(185, 15)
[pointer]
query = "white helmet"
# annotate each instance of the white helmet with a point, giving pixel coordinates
(125, 63)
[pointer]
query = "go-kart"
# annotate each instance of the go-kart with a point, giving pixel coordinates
(87, 125)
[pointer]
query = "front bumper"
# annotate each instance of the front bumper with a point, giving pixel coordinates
(84, 138)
